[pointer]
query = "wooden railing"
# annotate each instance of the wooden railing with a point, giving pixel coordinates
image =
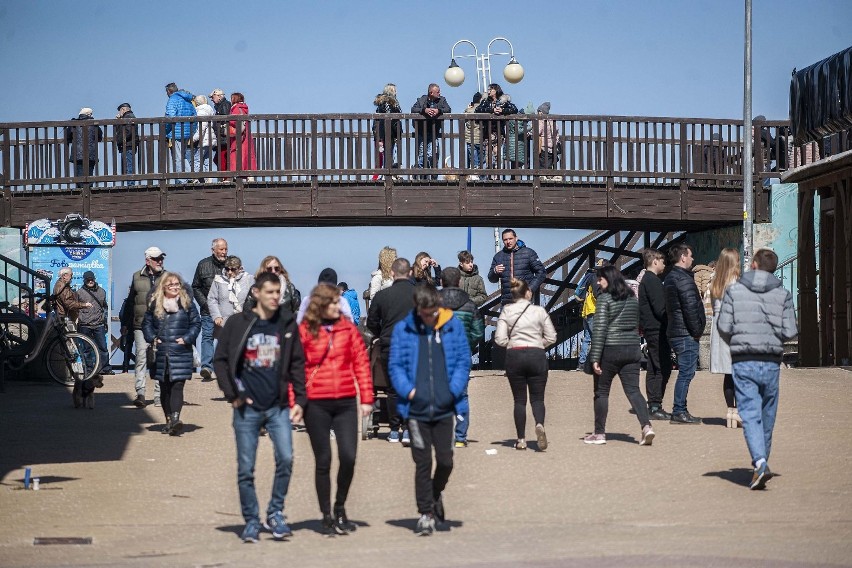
(343, 148)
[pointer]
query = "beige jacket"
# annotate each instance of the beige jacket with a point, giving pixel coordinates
(533, 329)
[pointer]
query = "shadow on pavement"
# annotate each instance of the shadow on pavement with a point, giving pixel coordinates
(715, 421)
(618, 437)
(42, 427)
(736, 475)
(411, 524)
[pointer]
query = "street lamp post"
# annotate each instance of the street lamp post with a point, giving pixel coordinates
(454, 76)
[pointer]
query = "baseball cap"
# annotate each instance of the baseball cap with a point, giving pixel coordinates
(154, 252)
(88, 275)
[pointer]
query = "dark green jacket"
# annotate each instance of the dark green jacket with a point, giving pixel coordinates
(616, 323)
(465, 311)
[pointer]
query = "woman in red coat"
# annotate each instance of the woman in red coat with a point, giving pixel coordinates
(336, 363)
(246, 159)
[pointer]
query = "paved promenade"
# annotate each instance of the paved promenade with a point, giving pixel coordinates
(146, 499)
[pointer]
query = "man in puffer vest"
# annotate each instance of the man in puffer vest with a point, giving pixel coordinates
(756, 318)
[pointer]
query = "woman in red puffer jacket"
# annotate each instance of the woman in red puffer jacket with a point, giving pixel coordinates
(335, 362)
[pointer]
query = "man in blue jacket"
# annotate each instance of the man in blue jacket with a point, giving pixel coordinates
(180, 133)
(515, 260)
(429, 367)
(756, 318)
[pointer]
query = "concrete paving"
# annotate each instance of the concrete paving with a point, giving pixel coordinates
(146, 499)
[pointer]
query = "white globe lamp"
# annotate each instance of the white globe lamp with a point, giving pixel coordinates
(454, 75)
(513, 72)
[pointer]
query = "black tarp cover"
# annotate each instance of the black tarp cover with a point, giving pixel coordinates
(821, 98)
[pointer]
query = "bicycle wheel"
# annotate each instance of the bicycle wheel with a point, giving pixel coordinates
(65, 361)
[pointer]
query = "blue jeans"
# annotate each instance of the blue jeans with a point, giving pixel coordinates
(207, 342)
(686, 349)
(182, 155)
(431, 152)
(98, 335)
(756, 383)
(463, 418)
(586, 344)
(247, 423)
(128, 162)
(474, 156)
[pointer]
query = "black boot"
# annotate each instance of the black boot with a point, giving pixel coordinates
(167, 426)
(77, 394)
(328, 526)
(175, 424)
(342, 524)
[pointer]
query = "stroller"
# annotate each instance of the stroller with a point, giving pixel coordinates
(381, 382)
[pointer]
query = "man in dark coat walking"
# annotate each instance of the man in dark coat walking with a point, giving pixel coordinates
(207, 269)
(653, 321)
(389, 307)
(686, 320)
(515, 260)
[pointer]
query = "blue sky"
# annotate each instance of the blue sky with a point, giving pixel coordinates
(617, 57)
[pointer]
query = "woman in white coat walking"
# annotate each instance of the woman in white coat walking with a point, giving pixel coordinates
(525, 330)
(727, 272)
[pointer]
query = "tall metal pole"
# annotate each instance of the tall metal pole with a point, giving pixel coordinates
(748, 157)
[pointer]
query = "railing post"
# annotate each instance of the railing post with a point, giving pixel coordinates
(684, 172)
(609, 161)
(163, 166)
(5, 150)
(314, 177)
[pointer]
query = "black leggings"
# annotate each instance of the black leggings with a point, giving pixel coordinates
(527, 370)
(171, 395)
(728, 389)
(624, 361)
(321, 417)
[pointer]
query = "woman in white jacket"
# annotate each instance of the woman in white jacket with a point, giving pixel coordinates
(228, 292)
(727, 272)
(525, 330)
(204, 139)
(382, 278)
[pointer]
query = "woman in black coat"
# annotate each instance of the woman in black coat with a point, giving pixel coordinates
(172, 324)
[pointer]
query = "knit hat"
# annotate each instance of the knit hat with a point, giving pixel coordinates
(327, 276)
(86, 111)
(477, 96)
(544, 108)
(122, 105)
(759, 118)
(88, 275)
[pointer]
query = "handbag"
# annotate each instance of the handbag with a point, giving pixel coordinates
(151, 357)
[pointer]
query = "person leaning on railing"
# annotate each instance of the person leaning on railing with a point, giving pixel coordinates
(80, 138)
(247, 158)
(126, 140)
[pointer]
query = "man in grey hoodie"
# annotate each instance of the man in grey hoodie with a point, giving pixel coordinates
(756, 318)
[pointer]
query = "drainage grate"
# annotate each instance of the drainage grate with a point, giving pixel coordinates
(62, 540)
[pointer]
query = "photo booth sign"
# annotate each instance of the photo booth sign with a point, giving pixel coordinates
(75, 242)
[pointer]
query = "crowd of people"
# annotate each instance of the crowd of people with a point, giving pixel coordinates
(283, 359)
(200, 147)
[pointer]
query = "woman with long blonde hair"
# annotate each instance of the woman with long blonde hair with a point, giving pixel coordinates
(337, 370)
(382, 278)
(727, 272)
(172, 324)
(423, 265)
(290, 296)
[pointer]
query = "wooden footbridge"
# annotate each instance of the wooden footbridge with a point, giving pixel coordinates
(617, 173)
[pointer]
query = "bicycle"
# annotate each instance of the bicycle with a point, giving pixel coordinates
(68, 355)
